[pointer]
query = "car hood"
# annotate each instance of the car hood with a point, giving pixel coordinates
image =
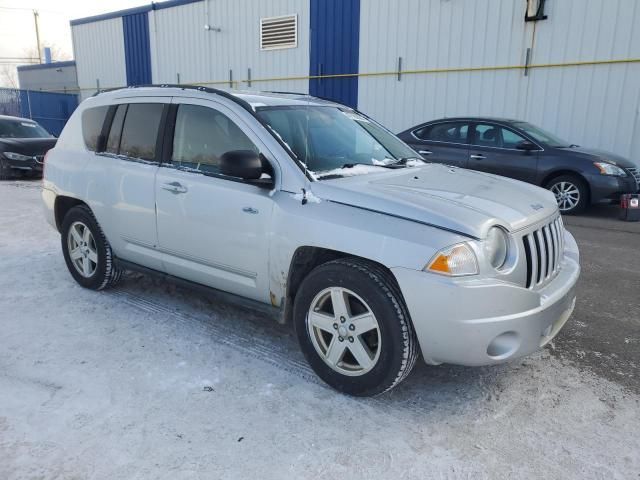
(27, 146)
(451, 198)
(594, 155)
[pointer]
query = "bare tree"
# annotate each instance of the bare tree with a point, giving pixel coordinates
(8, 76)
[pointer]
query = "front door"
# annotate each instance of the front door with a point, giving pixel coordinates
(493, 150)
(212, 229)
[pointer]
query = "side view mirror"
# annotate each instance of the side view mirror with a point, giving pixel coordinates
(527, 146)
(245, 164)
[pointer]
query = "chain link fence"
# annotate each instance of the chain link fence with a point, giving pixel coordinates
(49, 109)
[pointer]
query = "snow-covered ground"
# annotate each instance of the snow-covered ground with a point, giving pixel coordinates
(153, 381)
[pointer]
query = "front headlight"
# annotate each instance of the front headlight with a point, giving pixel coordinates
(496, 247)
(454, 261)
(17, 156)
(610, 169)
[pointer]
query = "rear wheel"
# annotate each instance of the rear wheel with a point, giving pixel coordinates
(354, 328)
(572, 193)
(86, 250)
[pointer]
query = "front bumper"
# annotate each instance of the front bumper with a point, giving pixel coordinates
(605, 187)
(482, 322)
(33, 165)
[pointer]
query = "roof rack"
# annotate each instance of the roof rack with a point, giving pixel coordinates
(287, 93)
(199, 88)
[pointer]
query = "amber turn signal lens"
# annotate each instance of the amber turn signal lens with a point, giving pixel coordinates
(454, 261)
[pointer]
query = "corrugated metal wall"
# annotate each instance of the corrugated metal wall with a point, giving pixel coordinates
(137, 50)
(595, 105)
(181, 45)
(473, 51)
(98, 49)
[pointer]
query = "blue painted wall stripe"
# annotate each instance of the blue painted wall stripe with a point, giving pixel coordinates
(137, 48)
(334, 49)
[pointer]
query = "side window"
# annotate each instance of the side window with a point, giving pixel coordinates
(487, 136)
(115, 132)
(92, 122)
(202, 135)
(451, 132)
(510, 139)
(140, 130)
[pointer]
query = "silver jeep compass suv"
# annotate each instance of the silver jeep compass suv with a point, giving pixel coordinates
(318, 214)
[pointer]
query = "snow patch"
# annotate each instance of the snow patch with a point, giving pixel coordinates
(350, 172)
(415, 162)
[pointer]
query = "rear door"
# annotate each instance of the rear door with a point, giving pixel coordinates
(443, 142)
(493, 150)
(212, 229)
(122, 190)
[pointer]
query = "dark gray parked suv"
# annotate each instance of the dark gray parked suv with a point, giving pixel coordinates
(577, 176)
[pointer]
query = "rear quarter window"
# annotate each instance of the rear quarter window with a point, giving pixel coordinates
(92, 122)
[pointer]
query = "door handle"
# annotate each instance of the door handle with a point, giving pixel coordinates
(250, 210)
(425, 152)
(174, 187)
(477, 157)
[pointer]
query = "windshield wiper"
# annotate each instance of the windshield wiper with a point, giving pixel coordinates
(351, 165)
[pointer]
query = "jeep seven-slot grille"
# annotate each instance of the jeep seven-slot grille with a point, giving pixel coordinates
(543, 250)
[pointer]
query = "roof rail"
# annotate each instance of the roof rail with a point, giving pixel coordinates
(199, 88)
(287, 93)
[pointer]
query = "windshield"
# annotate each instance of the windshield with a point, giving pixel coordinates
(330, 140)
(22, 129)
(541, 136)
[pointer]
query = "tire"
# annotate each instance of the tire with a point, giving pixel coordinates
(91, 262)
(572, 186)
(372, 297)
(5, 171)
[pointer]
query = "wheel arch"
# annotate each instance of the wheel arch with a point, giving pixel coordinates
(305, 259)
(559, 173)
(62, 206)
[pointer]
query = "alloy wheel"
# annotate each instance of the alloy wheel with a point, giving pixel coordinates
(344, 331)
(82, 249)
(567, 195)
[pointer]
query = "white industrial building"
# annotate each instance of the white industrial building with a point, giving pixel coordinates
(574, 71)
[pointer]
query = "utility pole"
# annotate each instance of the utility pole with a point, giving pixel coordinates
(35, 19)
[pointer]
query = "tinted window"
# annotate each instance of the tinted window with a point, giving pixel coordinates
(487, 136)
(542, 135)
(510, 139)
(140, 130)
(92, 121)
(327, 138)
(452, 132)
(22, 128)
(202, 135)
(113, 141)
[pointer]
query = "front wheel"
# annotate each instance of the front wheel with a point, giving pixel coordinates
(354, 328)
(86, 250)
(572, 193)
(5, 171)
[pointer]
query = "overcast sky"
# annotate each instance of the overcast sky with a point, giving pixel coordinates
(17, 30)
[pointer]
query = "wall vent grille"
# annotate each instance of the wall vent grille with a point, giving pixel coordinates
(279, 32)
